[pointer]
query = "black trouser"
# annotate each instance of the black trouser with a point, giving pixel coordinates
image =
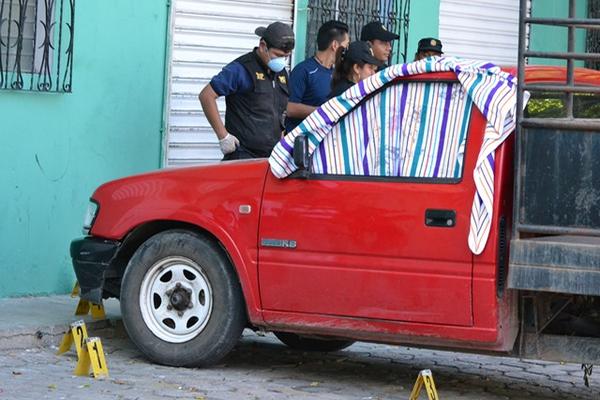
(240, 153)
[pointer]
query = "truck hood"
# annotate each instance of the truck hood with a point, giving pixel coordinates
(210, 194)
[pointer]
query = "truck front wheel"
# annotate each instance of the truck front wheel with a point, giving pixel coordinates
(181, 302)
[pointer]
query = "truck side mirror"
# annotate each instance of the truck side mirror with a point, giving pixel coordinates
(300, 152)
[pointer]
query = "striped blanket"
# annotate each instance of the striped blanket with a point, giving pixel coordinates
(414, 130)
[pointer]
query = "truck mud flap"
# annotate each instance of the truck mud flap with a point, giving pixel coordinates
(560, 264)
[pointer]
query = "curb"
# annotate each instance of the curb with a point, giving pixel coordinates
(29, 322)
(47, 336)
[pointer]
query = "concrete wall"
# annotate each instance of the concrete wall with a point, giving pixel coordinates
(57, 148)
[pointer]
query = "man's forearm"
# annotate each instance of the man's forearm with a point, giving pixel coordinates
(299, 110)
(208, 100)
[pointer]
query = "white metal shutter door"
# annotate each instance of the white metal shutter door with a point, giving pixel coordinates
(208, 34)
(484, 29)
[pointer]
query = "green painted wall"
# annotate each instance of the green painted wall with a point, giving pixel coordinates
(300, 25)
(552, 38)
(424, 22)
(57, 148)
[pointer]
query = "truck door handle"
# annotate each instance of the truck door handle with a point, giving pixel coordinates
(440, 218)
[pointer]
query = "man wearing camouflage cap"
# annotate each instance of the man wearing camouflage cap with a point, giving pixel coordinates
(256, 96)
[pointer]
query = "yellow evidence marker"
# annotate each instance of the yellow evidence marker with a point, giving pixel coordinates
(75, 291)
(425, 378)
(84, 306)
(89, 351)
(77, 334)
(92, 355)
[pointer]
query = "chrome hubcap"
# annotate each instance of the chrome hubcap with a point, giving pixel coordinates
(176, 299)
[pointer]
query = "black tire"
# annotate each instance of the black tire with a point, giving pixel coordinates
(298, 342)
(222, 326)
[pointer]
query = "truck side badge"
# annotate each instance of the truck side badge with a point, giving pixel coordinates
(286, 244)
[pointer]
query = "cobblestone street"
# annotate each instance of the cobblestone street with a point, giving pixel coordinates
(263, 368)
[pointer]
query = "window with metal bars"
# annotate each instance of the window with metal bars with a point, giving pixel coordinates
(593, 35)
(393, 14)
(36, 45)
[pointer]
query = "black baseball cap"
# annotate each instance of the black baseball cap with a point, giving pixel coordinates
(361, 51)
(278, 35)
(430, 44)
(376, 30)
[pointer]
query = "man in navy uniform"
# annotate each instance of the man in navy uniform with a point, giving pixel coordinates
(380, 39)
(256, 96)
(428, 47)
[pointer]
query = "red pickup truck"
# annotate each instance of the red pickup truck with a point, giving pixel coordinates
(197, 254)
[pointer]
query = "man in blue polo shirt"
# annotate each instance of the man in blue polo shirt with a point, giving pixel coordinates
(310, 80)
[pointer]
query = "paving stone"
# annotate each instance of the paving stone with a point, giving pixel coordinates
(262, 368)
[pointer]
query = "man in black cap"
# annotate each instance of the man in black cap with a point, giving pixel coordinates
(428, 47)
(380, 39)
(256, 95)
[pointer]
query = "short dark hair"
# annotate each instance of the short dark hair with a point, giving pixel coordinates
(330, 31)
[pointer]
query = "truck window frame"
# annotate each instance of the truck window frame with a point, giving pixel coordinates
(309, 175)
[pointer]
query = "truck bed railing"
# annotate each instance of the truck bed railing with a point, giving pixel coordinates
(572, 23)
(555, 244)
(560, 55)
(569, 88)
(562, 88)
(580, 124)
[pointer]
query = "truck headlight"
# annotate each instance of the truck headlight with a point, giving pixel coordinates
(90, 216)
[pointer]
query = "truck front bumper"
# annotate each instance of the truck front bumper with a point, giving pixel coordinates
(91, 258)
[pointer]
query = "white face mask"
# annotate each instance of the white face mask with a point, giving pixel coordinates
(277, 64)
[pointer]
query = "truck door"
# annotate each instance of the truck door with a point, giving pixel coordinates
(381, 247)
